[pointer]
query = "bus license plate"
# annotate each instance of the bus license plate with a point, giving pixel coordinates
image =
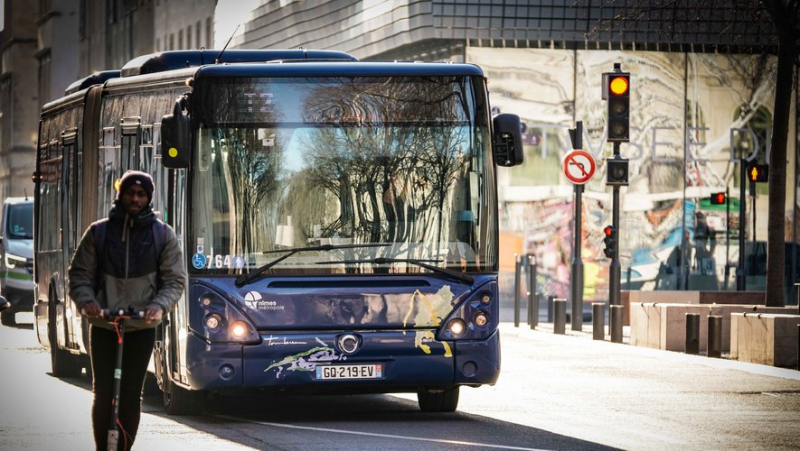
(339, 372)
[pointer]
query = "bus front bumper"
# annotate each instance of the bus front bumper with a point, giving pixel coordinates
(383, 361)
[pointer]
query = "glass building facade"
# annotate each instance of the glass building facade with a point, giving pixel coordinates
(702, 94)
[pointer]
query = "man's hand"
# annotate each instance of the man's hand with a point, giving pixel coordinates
(153, 312)
(91, 310)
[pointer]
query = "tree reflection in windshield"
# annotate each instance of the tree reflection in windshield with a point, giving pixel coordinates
(352, 161)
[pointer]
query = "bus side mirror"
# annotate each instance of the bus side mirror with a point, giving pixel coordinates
(507, 140)
(175, 148)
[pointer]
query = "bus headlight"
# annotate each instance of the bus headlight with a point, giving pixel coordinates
(481, 318)
(217, 320)
(213, 321)
(474, 318)
(457, 327)
(240, 330)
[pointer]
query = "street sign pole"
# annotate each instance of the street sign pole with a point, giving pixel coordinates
(576, 284)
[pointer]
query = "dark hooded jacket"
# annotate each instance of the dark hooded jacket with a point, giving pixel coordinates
(128, 273)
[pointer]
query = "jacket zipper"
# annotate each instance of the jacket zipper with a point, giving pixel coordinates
(125, 236)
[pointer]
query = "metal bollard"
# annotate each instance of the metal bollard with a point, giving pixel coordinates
(530, 307)
(615, 320)
(535, 311)
(692, 333)
(550, 300)
(560, 316)
(599, 320)
(517, 287)
(714, 336)
(533, 316)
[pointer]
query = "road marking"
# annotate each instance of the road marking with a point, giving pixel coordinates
(372, 434)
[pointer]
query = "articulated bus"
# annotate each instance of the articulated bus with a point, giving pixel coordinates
(338, 219)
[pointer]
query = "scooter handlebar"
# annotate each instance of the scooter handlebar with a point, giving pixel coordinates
(130, 313)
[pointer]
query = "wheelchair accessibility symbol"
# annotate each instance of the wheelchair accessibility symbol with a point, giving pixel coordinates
(199, 261)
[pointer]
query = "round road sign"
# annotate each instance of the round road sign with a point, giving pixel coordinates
(578, 166)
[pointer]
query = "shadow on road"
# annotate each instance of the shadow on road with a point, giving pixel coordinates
(395, 419)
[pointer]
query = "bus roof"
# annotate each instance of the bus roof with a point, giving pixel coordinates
(339, 69)
(179, 59)
(94, 79)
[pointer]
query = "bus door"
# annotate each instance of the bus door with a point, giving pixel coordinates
(70, 187)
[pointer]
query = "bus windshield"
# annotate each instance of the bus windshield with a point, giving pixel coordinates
(400, 165)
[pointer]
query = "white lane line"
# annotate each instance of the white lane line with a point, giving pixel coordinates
(372, 434)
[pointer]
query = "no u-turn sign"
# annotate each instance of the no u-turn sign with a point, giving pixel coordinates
(578, 166)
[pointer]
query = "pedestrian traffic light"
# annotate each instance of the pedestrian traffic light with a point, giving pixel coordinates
(617, 89)
(758, 173)
(718, 199)
(617, 172)
(610, 241)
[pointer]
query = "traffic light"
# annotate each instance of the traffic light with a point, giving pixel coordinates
(617, 172)
(616, 90)
(758, 173)
(718, 199)
(610, 241)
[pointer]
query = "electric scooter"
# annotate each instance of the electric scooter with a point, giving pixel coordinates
(118, 317)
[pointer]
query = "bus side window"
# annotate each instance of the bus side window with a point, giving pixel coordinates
(130, 128)
(146, 151)
(105, 176)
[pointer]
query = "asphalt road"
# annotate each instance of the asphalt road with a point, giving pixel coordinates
(555, 392)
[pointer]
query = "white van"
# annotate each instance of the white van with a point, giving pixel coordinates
(16, 257)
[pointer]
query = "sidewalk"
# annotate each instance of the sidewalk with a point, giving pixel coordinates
(638, 398)
(546, 329)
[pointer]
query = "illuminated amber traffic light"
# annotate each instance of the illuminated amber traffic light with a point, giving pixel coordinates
(618, 89)
(758, 173)
(618, 85)
(718, 199)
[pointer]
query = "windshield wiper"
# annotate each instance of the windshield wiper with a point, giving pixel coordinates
(460, 276)
(244, 279)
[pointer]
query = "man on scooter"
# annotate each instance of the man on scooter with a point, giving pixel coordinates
(129, 260)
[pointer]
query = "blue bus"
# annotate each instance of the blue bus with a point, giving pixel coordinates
(338, 219)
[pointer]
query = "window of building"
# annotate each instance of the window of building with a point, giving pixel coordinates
(189, 37)
(82, 20)
(209, 33)
(44, 77)
(197, 33)
(111, 11)
(45, 6)
(180, 39)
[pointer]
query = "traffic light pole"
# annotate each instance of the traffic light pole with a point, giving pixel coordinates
(615, 270)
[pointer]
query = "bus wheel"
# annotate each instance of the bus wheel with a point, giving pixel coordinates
(438, 400)
(62, 363)
(179, 401)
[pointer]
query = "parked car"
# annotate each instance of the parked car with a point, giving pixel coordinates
(3, 303)
(16, 257)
